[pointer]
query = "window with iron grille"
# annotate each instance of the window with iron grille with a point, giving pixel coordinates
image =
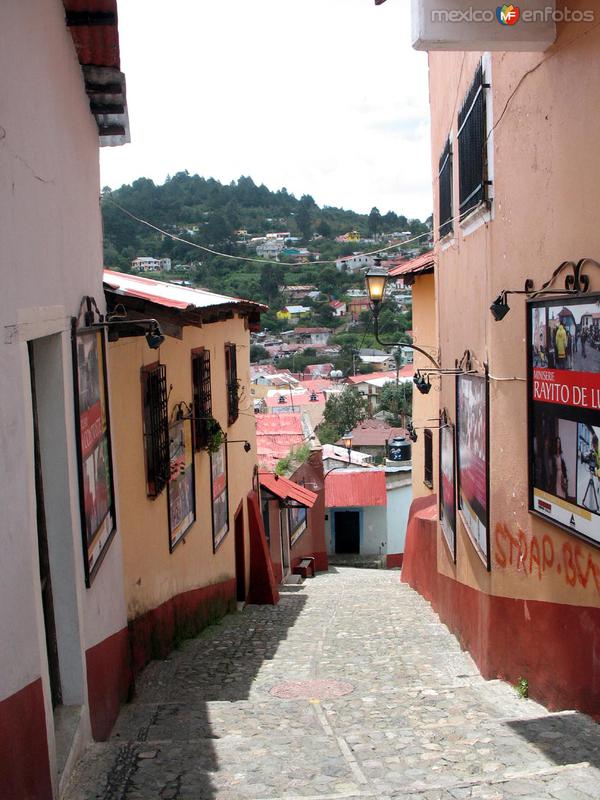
(233, 402)
(202, 396)
(472, 147)
(156, 427)
(428, 463)
(446, 224)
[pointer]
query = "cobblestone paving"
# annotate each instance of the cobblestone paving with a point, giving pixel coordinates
(420, 724)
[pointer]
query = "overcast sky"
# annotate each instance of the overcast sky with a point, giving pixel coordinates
(324, 97)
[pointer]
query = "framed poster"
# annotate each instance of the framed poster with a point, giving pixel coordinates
(96, 490)
(448, 487)
(297, 522)
(219, 495)
(564, 412)
(473, 473)
(181, 489)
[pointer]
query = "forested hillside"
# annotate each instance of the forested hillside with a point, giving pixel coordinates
(209, 213)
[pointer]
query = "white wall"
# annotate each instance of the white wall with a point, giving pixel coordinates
(51, 255)
(399, 498)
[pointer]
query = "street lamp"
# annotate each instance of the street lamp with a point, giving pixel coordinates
(375, 280)
(347, 442)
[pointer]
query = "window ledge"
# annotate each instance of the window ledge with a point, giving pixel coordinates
(476, 218)
(447, 241)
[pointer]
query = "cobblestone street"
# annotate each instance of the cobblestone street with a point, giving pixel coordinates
(396, 710)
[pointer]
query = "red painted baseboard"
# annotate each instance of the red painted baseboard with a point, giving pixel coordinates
(154, 634)
(24, 765)
(556, 647)
(394, 560)
(109, 681)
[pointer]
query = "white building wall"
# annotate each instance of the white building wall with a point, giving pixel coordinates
(51, 255)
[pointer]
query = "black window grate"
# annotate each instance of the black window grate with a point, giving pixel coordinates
(428, 458)
(446, 224)
(233, 402)
(202, 397)
(472, 147)
(156, 428)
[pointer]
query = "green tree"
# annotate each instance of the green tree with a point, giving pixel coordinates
(344, 411)
(374, 221)
(271, 278)
(396, 399)
(258, 353)
(304, 217)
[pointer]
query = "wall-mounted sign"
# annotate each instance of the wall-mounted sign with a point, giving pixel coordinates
(219, 495)
(472, 415)
(448, 486)
(96, 490)
(297, 521)
(181, 487)
(564, 412)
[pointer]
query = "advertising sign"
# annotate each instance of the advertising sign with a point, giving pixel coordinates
(564, 412)
(472, 405)
(95, 464)
(448, 487)
(219, 494)
(297, 523)
(181, 486)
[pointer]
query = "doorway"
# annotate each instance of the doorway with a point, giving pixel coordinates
(240, 554)
(347, 531)
(285, 542)
(43, 552)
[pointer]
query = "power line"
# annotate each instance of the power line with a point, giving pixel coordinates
(247, 258)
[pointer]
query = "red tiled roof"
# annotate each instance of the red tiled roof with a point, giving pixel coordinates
(353, 489)
(373, 433)
(276, 436)
(288, 490)
(96, 45)
(407, 371)
(422, 263)
(296, 400)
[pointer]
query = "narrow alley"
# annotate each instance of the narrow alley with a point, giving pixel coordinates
(349, 688)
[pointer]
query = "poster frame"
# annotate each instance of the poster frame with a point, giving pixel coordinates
(557, 299)
(76, 334)
(300, 528)
(216, 544)
(446, 424)
(183, 534)
(485, 557)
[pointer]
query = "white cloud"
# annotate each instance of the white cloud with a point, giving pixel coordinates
(325, 97)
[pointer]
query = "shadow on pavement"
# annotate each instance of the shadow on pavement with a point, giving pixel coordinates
(563, 738)
(168, 742)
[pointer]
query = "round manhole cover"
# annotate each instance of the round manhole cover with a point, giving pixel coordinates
(321, 690)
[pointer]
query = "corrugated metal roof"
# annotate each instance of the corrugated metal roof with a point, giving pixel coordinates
(422, 263)
(288, 490)
(276, 436)
(355, 489)
(96, 44)
(170, 294)
(373, 433)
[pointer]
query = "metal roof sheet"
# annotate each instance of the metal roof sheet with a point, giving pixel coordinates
(288, 490)
(170, 295)
(422, 263)
(355, 489)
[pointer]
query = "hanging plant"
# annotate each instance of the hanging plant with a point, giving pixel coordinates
(214, 435)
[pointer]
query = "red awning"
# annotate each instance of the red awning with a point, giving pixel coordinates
(287, 490)
(354, 489)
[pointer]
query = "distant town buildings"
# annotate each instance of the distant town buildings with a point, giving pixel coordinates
(148, 264)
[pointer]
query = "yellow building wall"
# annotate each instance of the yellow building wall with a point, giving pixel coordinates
(153, 574)
(425, 406)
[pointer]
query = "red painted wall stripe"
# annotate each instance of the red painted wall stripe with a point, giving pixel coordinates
(109, 681)
(24, 765)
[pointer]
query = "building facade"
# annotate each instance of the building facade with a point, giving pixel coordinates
(63, 626)
(514, 566)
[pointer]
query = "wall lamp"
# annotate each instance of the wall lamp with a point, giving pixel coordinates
(118, 325)
(245, 442)
(375, 281)
(576, 282)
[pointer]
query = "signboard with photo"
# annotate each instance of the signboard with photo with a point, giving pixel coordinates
(448, 487)
(219, 494)
(564, 412)
(297, 521)
(181, 486)
(96, 491)
(472, 413)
